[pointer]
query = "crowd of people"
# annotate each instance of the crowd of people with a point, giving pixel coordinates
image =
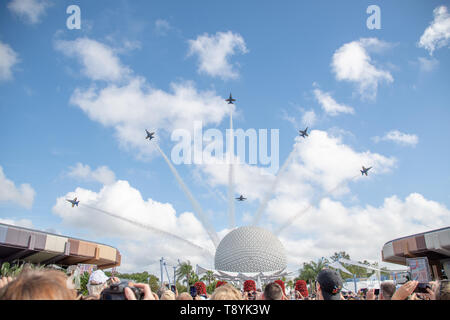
(47, 284)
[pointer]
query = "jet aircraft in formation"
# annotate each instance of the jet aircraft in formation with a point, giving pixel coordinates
(365, 170)
(150, 135)
(241, 198)
(74, 202)
(304, 133)
(230, 99)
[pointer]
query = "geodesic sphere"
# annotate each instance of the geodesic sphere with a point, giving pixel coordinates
(250, 249)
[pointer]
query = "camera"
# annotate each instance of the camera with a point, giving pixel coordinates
(377, 292)
(422, 287)
(116, 291)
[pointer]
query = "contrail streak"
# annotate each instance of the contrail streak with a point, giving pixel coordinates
(231, 215)
(302, 212)
(150, 228)
(197, 208)
(272, 189)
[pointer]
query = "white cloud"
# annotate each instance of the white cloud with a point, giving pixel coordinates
(311, 168)
(162, 27)
(329, 105)
(8, 58)
(427, 65)
(30, 10)
(214, 52)
(399, 138)
(352, 63)
(360, 231)
(83, 172)
(309, 118)
(437, 35)
(134, 105)
(25, 223)
(99, 60)
(23, 195)
(139, 247)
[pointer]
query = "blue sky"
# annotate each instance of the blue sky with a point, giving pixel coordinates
(282, 58)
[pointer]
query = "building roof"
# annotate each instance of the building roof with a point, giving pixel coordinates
(41, 247)
(434, 244)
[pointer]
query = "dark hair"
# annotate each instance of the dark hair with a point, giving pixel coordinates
(273, 291)
(387, 289)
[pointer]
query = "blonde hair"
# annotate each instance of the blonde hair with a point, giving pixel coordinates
(39, 285)
(168, 295)
(96, 289)
(226, 292)
(184, 296)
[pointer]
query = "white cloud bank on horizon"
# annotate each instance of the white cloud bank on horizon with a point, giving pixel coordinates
(139, 247)
(8, 58)
(23, 195)
(215, 51)
(352, 63)
(29, 10)
(399, 138)
(437, 34)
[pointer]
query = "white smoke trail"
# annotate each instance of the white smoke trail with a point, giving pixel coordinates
(272, 189)
(197, 208)
(302, 212)
(150, 228)
(231, 215)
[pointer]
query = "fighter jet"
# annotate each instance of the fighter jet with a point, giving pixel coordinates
(364, 170)
(74, 202)
(303, 133)
(230, 99)
(241, 198)
(149, 135)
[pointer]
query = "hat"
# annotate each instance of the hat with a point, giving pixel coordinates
(281, 284)
(249, 285)
(330, 283)
(98, 277)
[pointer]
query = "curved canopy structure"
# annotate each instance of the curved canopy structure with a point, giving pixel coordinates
(434, 244)
(34, 246)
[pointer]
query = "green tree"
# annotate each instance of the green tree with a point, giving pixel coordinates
(310, 270)
(208, 277)
(185, 270)
(84, 279)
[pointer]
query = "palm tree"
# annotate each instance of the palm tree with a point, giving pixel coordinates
(209, 277)
(310, 270)
(184, 270)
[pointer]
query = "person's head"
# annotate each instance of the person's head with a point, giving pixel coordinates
(184, 296)
(200, 287)
(273, 291)
(387, 290)
(98, 281)
(249, 285)
(226, 292)
(329, 285)
(301, 287)
(39, 285)
(281, 284)
(168, 295)
(220, 283)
